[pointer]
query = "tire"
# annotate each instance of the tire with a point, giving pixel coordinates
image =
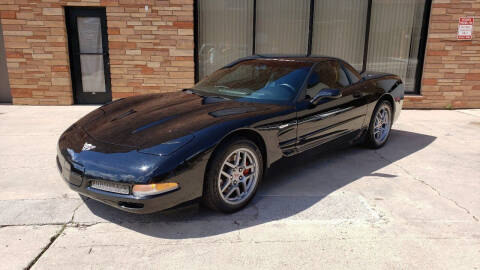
(237, 180)
(377, 137)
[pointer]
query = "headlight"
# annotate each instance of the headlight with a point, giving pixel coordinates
(153, 189)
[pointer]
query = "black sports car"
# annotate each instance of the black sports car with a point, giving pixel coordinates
(216, 140)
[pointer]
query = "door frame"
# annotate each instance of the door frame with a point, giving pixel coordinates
(80, 97)
(325, 115)
(5, 92)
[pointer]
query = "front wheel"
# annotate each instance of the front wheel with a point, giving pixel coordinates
(233, 176)
(380, 125)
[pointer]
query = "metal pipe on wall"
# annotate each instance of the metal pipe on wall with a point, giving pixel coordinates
(5, 95)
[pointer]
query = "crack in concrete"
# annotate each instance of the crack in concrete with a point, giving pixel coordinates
(428, 185)
(85, 225)
(43, 199)
(465, 113)
(31, 224)
(69, 224)
(74, 212)
(53, 238)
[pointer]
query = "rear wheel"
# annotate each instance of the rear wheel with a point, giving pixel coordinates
(233, 176)
(380, 125)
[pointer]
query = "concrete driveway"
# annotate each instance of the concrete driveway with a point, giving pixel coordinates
(413, 204)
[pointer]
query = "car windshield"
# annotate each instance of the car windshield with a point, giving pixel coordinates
(257, 80)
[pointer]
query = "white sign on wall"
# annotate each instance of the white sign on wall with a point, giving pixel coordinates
(465, 28)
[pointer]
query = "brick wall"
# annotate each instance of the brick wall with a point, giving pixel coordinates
(150, 51)
(451, 77)
(153, 51)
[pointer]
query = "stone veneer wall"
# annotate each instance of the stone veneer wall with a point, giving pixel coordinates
(150, 51)
(451, 74)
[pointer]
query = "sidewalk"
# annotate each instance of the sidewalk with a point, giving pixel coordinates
(413, 204)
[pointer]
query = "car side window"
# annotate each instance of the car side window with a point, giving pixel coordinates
(326, 75)
(342, 77)
(352, 74)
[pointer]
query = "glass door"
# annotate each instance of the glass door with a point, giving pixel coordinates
(89, 60)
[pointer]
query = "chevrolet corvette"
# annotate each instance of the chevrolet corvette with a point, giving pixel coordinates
(215, 141)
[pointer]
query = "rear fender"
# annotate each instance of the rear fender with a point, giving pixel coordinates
(389, 88)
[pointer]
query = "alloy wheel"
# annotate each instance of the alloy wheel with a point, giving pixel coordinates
(382, 124)
(238, 176)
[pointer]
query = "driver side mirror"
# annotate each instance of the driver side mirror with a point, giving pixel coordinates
(326, 93)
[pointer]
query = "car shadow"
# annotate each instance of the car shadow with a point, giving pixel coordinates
(292, 186)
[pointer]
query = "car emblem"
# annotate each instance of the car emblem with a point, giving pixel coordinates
(88, 147)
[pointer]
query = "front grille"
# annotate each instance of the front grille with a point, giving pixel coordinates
(110, 187)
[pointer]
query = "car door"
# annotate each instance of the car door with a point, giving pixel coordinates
(330, 118)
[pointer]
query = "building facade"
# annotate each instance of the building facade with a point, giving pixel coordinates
(93, 51)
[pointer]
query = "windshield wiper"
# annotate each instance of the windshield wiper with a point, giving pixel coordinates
(195, 92)
(221, 97)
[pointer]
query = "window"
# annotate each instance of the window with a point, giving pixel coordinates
(339, 29)
(395, 38)
(326, 75)
(378, 35)
(224, 33)
(352, 74)
(342, 79)
(282, 27)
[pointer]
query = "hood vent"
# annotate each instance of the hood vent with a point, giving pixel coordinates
(123, 115)
(158, 122)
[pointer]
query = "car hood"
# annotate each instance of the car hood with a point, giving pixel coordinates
(170, 119)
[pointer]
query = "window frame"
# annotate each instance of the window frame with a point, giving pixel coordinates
(420, 56)
(347, 67)
(302, 92)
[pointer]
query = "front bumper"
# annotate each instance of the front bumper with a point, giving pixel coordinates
(129, 203)
(118, 165)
